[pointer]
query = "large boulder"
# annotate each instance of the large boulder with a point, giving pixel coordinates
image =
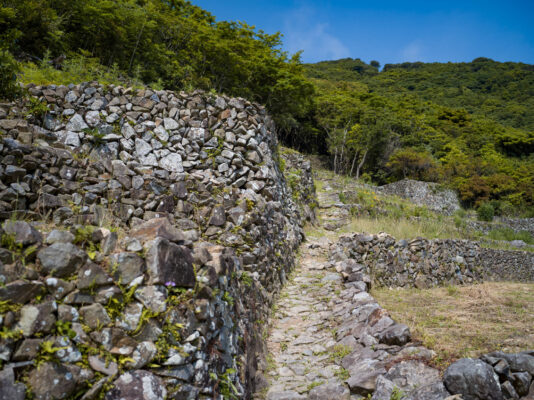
(61, 259)
(23, 233)
(170, 264)
(473, 379)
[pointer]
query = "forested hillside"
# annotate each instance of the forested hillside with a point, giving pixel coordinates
(467, 125)
(168, 44)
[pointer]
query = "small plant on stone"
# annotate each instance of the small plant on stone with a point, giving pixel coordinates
(342, 374)
(396, 394)
(338, 352)
(246, 279)
(37, 109)
(314, 384)
(224, 382)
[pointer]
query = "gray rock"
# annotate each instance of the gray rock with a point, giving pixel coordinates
(58, 236)
(101, 365)
(9, 389)
(20, 291)
(329, 391)
(142, 148)
(433, 391)
(473, 379)
(137, 385)
(157, 228)
(143, 354)
(168, 262)
(520, 362)
(153, 297)
(95, 316)
(54, 381)
(92, 275)
(126, 267)
(363, 375)
(37, 318)
(170, 124)
(284, 395)
(23, 233)
(508, 391)
(397, 334)
(218, 217)
(28, 350)
(61, 259)
(521, 382)
(92, 118)
(172, 163)
(76, 124)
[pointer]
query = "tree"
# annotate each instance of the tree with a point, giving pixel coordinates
(413, 163)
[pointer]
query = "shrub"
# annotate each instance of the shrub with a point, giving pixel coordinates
(8, 76)
(485, 212)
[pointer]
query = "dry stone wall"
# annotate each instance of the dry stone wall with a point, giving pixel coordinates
(426, 263)
(426, 194)
(145, 234)
(383, 361)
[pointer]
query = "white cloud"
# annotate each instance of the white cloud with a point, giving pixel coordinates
(412, 51)
(304, 32)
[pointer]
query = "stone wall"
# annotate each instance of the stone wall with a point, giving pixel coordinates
(383, 361)
(426, 263)
(516, 224)
(426, 194)
(145, 236)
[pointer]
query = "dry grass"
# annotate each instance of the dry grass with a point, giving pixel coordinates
(404, 228)
(465, 321)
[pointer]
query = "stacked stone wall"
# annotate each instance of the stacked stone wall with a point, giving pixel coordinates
(427, 263)
(145, 234)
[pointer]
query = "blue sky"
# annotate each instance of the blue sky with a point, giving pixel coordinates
(392, 31)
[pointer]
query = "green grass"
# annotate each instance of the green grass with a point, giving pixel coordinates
(407, 228)
(509, 235)
(76, 70)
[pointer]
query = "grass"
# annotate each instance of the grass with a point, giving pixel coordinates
(406, 228)
(465, 321)
(509, 235)
(76, 70)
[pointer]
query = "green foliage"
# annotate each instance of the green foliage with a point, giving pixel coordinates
(225, 385)
(436, 122)
(485, 212)
(36, 108)
(396, 394)
(8, 75)
(246, 279)
(509, 234)
(171, 44)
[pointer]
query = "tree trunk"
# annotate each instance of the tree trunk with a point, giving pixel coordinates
(335, 160)
(354, 162)
(360, 165)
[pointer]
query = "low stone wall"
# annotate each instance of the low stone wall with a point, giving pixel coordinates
(426, 263)
(160, 229)
(515, 224)
(426, 194)
(383, 362)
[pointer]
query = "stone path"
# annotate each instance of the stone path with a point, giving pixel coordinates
(330, 340)
(303, 328)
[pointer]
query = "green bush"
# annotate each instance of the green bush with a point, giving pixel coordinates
(485, 212)
(8, 76)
